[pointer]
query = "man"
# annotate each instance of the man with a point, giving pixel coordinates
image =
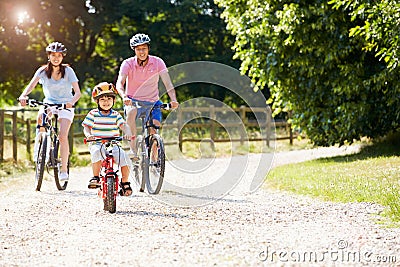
(141, 74)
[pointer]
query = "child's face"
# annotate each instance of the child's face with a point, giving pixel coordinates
(106, 102)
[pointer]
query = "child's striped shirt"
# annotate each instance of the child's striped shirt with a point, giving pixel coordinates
(104, 125)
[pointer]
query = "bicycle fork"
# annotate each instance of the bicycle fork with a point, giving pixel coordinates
(103, 190)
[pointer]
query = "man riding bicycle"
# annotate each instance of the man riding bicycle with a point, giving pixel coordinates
(141, 74)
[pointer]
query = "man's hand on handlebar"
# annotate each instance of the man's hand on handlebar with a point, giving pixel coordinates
(127, 101)
(174, 104)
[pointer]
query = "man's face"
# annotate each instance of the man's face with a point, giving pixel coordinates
(142, 51)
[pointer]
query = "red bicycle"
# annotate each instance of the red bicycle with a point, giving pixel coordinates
(109, 180)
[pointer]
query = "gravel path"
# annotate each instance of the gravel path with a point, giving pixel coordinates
(52, 228)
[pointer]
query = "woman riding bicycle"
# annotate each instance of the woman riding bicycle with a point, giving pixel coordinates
(141, 74)
(60, 86)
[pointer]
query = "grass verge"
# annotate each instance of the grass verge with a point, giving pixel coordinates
(373, 175)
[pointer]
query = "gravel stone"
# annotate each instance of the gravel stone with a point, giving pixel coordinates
(267, 227)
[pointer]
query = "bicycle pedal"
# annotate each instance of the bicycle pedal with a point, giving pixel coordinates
(93, 186)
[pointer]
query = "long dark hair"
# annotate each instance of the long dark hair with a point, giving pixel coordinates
(49, 69)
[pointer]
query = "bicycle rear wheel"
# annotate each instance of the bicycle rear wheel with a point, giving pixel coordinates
(56, 162)
(40, 160)
(139, 168)
(156, 164)
(110, 202)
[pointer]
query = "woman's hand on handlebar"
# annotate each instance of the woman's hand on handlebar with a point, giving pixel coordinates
(69, 105)
(23, 100)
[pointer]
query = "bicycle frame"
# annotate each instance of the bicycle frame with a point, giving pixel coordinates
(146, 118)
(145, 144)
(107, 171)
(109, 179)
(50, 157)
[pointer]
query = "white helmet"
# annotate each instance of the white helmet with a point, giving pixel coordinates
(56, 47)
(139, 39)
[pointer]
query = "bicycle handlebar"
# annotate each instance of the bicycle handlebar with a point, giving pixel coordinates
(35, 103)
(104, 139)
(166, 106)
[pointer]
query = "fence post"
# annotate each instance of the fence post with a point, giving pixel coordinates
(28, 137)
(268, 126)
(243, 118)
(290, 128)
(180, 138)
(15, 135)
(213, 120)
(1, 135)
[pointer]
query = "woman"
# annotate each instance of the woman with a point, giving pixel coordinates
(60, 86)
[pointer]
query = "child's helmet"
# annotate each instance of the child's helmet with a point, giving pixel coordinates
(139, 39)
(56, 47)
(103, 88)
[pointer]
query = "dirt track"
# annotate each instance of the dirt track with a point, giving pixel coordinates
(52, 228)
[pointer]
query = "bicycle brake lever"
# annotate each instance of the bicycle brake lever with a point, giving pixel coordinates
(32, 103)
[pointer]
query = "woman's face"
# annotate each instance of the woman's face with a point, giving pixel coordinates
(56, 58)
(142, 51)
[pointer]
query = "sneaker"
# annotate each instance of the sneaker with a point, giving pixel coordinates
(63, 176)
(133, 155)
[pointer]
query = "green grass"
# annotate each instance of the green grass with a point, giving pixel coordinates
(373, 175)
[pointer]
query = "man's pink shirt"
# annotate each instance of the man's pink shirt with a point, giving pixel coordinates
(142, 82)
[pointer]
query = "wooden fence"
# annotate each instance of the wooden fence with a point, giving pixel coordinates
(18, 127)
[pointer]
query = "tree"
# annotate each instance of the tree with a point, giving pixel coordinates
(97, 34)
(303, 52)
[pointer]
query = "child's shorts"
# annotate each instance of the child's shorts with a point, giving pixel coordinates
(98, 153)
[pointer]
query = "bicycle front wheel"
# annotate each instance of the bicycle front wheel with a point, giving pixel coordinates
(40, 160)
(110, 202)
(56, 162)
(156, 164)
(140, 170)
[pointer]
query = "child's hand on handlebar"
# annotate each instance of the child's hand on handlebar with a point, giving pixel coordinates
(90, 137)
(128, 137)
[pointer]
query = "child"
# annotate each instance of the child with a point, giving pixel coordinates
(106, 122)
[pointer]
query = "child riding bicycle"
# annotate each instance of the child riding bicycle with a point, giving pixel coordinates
(105, 122)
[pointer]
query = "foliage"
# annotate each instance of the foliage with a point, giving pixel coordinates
(97, 34)
(380, 27)
(302, 51)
